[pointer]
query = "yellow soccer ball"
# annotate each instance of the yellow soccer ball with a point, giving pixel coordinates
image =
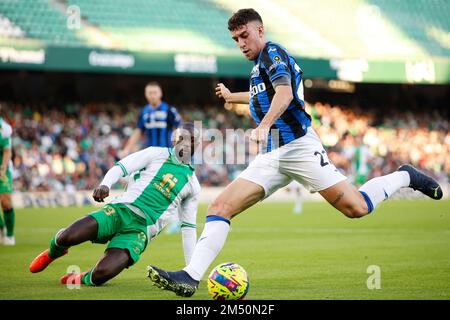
(228, 281)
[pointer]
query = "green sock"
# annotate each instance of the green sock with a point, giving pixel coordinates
(9, 222)
(86, 279)
(2, 223)
(55, 250)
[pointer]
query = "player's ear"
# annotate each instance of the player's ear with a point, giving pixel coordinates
(261, 30)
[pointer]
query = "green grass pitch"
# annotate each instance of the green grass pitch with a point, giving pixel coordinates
(319, 254)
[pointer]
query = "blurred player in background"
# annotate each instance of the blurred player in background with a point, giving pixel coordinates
(291, 150)
(157, 120)
(163, 184)
(6, 225)
(295, 189)
(361, 159)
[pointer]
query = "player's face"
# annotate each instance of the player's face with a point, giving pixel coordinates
(250, 39)
(153, 95)
(184, 143)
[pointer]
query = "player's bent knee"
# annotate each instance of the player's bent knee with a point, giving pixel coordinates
(100, 275)
(220, 208)
(354, 211)
(6, 205)
(66, 238)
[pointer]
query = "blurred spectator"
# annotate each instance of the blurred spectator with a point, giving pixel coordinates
(71, 148)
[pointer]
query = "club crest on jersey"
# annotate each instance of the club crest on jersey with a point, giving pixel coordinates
(166, 184)
(255, 71)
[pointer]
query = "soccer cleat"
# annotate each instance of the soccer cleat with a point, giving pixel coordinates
(9, 241)
(421, 182)
(179, 282)
(73, 278)
(42, 261)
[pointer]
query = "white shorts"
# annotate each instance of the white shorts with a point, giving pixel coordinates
(303, 160)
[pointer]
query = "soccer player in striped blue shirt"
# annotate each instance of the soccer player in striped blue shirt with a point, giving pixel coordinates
(157, 120)
(291, 151)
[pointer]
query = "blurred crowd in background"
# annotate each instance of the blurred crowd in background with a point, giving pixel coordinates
(71, 148)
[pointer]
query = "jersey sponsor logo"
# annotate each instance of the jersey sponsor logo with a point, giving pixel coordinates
(277, 63)
(160, 114)
(166, 184)
(156, 124)
(261, 87)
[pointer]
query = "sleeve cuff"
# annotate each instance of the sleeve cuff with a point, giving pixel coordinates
(188, 225)
(282, 80)
(125, 173)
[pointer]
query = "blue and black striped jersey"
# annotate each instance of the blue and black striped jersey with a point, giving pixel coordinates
(158, 124)
(272, 63)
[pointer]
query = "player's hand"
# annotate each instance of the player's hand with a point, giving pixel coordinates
(260, 135)
(223, 92)
(100, 193)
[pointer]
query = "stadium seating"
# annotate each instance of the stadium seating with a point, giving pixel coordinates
(40, 19)
(327, 28)
(170, 25)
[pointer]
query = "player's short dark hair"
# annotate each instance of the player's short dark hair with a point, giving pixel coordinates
(153, 84)
(190, 130)
(242, 17)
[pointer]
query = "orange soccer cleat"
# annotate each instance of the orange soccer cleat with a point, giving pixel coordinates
(72, 278)
(42, 261)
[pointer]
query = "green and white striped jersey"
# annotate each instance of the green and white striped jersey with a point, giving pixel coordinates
(159, 186)
(5, 137)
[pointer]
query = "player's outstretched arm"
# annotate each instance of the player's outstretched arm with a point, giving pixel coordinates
(280, 102)
(131, 143)
(132, 163)
(232, 97)
(188, 218)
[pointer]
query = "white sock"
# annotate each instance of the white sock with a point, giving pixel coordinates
(208, 246)
(298, 204)
(379, 189)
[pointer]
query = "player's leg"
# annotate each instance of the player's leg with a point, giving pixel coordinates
(358, 203)
(110, 265)
(298, 201)
(124, 249)
(8, 210)
(80, 231)
(308, 162)
(7, 225)
(237, 196)
(2, 229)
(258, 181)
(346, 198)
(99, 226)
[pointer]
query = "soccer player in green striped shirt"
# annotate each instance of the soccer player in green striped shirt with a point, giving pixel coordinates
(162, 183)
